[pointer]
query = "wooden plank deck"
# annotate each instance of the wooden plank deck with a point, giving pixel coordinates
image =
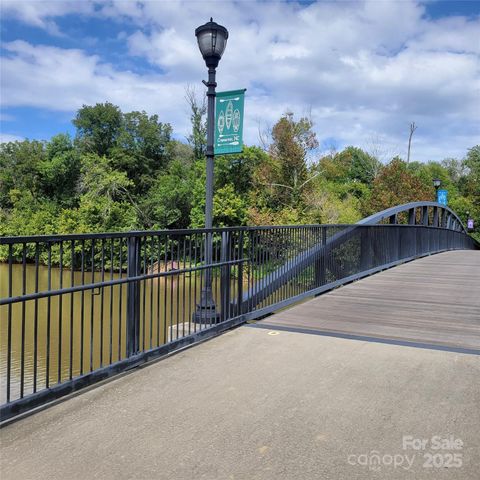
(434, 300)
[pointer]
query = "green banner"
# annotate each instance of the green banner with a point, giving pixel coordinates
(229, 122)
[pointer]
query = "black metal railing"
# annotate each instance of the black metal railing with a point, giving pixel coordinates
(76, 309)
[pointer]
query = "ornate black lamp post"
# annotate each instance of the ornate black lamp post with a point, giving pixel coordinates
(436, 183)
(212, 40)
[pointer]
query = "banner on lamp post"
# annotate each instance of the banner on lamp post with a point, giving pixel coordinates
(229, 122)
(442, 197)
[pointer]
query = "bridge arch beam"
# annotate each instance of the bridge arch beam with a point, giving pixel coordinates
(443, 216)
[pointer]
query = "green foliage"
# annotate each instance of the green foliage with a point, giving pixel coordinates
(29, 216)
(291, 142)
(198, 138)
(98, 127)
(229, 208)
(19, 169)
(169, 201)
(239, 170)
(332, 203)
(140, 149)
(124, 172)
(395, 185)
(60, 171)
(351, 164)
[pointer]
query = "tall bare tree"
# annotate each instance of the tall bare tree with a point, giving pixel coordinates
(413, 127)
(198, 106)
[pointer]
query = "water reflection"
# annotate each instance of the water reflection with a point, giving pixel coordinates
(79, 332)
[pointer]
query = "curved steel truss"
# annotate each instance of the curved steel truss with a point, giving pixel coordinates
(419, 214)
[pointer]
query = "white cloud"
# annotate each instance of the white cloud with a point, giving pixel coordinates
(364, 69)
(166, 48)
(41, 13)
(59, 79)
(7, 137)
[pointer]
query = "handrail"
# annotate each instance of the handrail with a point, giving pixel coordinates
(394, 211)
(282, 275)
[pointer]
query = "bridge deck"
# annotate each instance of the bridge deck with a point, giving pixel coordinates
(434, 300)
(275, 405)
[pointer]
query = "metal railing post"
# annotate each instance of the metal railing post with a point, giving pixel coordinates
(365, 250)
(225, 275)
(374, 234)
(240, 274)
(133, 295)
(320, 261)
(402, 243)
(399, 243)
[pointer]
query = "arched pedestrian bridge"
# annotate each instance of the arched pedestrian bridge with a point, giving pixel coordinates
(296, 392)
(77, 309)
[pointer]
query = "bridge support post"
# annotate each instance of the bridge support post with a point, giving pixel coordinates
(435, 216)
(133, 296)
(425, 216)
(411, 216)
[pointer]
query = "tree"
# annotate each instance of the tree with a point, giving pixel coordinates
(395, 185)
(291, 142)
(470, 186)
(472, 183)
(240, 169)
(124, 171)
(413, 127)
(169, 201)
(198, 138)
(98, 127)
(426, 172)
(351, 164)
(60, 171)
(456, 169)
(141, 149)
(105, 203)
(19, 170)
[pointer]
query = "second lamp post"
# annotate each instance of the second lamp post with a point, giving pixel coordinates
(436, 183)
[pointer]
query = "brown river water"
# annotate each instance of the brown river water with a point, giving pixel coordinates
(166, 307)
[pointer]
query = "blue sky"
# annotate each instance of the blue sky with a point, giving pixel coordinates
(362, 70)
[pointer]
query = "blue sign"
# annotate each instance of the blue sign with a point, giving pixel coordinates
(470, 224)
(442, 197)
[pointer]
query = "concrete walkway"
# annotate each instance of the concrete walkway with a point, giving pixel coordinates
(264, 404)
(251, 405)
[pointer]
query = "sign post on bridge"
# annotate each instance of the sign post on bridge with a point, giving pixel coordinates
(229, 122)
(442, 197)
